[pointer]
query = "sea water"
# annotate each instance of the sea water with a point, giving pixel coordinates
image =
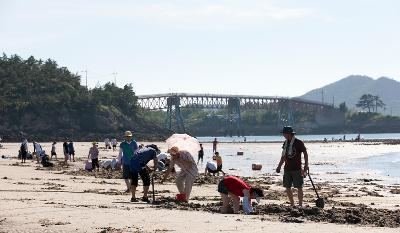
(332, 161)
(314, 137)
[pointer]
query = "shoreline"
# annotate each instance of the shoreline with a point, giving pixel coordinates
(383, 141)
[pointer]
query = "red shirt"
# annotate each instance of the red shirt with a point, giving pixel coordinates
(235, 185)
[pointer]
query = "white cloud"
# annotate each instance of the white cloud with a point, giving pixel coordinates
(209, 14)
(187, 14)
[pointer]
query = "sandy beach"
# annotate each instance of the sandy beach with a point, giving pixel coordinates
(68, 199)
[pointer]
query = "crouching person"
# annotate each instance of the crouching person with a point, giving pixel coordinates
(187, 175)
(138, 167)
(232, 188)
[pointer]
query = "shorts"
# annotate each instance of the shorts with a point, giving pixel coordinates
(53, 153)
(292, 178)
(114, 146)
(144, 174)
(222, 188)
(126, 172)
(24, 155)
(219, 168)
(95, 163)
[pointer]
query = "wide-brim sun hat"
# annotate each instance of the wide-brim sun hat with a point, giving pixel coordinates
(128, 134)
(288, 129)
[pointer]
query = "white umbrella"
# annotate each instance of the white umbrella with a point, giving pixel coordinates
(184, 142)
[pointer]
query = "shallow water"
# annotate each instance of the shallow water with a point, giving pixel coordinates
(334, 162)
(316, 137)
(339, 161)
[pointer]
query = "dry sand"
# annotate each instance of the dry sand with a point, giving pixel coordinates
(35, 199)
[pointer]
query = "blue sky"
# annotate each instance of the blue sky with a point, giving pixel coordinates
(260, 47)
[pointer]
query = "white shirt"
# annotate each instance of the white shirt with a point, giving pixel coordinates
(114, 141)
(212, 166)
(162, 156)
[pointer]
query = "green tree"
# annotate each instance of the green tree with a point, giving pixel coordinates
(366, 102)
(378, 103)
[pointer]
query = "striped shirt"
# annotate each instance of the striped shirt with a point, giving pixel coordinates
(186, 162)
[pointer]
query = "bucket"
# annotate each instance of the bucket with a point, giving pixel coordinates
(256, 166)
(181, 197)
(239, 153)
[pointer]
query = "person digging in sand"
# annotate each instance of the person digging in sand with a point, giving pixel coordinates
(127, 149)
(212, 168)
(138, 166)
(188, 173)
(232, 188)
(291, 156)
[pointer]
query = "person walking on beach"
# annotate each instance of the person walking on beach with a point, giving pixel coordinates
(53, 151)
(71, 151)
(291, 155)
(231, 188)
(187, 175)
(215, 142)
(94, 156)
(24, 150)
(200, 154)
(65, 150)
(138, 167)
(114, 144)
(127, 149)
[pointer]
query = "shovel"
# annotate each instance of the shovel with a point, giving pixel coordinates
(152, 187)
(320, 201)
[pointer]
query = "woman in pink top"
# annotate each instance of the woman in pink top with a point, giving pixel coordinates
(187, 175)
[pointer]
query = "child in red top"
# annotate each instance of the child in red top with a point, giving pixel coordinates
(232, 187)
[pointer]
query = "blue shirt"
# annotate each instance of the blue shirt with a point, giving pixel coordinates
(141, 158)
(128, 150)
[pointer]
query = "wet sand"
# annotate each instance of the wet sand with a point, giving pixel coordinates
(66, 199)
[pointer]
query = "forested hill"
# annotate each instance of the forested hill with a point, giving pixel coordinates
(47, 102)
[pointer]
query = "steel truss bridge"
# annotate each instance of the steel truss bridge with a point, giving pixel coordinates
(234, 104)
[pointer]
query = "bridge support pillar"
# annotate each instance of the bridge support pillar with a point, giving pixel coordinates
(174, 111)
(234, 124)
(285, 115)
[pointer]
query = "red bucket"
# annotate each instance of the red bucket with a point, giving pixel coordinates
(181, 197)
